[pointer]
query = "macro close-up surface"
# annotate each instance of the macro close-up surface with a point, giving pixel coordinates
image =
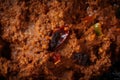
(59, 39)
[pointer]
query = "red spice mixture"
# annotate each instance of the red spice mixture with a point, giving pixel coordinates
(59, 39)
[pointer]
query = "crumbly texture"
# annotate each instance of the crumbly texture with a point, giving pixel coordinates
(25, 34)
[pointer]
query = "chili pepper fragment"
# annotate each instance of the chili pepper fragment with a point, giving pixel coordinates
(56, 58)
(98, 29)
(81, 59)
(58, 37)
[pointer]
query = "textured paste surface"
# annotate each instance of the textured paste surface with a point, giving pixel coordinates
(59, 39)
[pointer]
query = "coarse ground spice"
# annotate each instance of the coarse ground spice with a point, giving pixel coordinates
(26, 28)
